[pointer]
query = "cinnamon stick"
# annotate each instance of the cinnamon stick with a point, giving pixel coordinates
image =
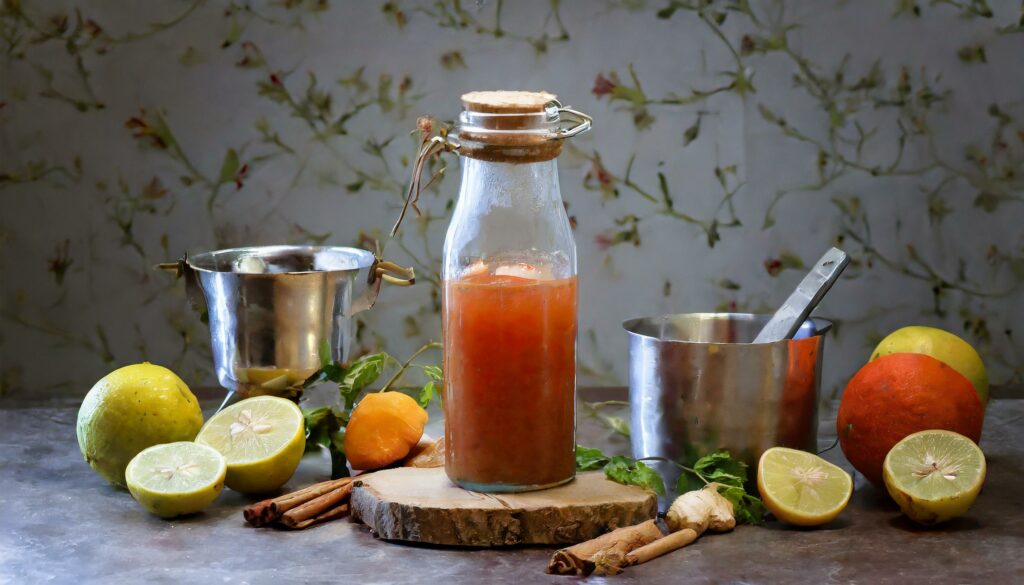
(266, 511)
(258, 514)
(317, 506)
(605, 554)
(331, 514)
(289, 501)
(662, 546)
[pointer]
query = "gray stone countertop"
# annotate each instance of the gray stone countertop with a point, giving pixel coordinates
(63, 524)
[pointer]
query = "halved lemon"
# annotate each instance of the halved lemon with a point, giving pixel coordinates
(934, 475)
(801, 488)
(262, 438)
(176, 478)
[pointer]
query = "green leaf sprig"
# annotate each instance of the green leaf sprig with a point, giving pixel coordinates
(325, 425)
(718, 467)
(620, 468)
(731, 475)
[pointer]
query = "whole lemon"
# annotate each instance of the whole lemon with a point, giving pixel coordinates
(130, 409)
(941, 345)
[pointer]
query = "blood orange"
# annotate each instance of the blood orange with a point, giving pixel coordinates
(899, 394)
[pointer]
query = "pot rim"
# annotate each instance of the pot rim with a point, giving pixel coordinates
(206, 261)
(821, 327)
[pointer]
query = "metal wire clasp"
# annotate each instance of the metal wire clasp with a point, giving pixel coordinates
(582, 121)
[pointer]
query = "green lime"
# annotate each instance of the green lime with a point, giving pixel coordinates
(934, 475)
(262, 438)
(176, 478)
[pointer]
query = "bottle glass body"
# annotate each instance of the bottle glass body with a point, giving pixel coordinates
(509, 327)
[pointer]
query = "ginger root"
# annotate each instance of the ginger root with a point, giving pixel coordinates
(701, 510)
(689, 516)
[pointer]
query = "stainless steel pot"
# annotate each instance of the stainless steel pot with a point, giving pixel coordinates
(697, 384)
(276, 311)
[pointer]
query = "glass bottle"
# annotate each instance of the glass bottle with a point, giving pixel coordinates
(509, 299)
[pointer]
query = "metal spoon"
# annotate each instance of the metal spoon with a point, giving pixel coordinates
(792, 314)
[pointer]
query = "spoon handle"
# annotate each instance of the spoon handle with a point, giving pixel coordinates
(792, 314)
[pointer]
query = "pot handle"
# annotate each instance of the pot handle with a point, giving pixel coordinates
(178, 267)
(392, 273)
(193, 292)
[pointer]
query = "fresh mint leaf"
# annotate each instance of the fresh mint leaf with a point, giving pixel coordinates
(731, 475)
(682, 484)
(433, 372)
(747, 509)
(751, 511)
(365, 370)
(426, 394)
(721, 464)
(630, 471)
(724, 478)
(359, 375)
(317, 429)
(314, 417)
(333, 372)
(721, 468)
(325, 428)
(590, 459)
(314, 379)
(339, 463)
(435, 376)
(320, 423)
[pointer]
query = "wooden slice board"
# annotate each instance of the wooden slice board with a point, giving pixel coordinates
(423, 505)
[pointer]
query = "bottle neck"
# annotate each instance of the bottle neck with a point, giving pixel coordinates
(500, 184)
(509, 213)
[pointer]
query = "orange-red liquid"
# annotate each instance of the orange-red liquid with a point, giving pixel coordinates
(510, 380)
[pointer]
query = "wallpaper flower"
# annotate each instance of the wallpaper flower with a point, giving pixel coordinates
(734, 141)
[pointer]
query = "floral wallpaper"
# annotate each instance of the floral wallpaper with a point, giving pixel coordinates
(734, 141)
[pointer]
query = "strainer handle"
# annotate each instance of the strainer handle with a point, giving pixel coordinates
(394, 274)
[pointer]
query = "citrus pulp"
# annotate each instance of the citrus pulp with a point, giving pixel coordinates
(176, 478)
(801, 488)
(262, 438)
(934, 475)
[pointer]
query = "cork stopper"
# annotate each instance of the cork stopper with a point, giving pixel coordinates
(508, 126)
(507, 102)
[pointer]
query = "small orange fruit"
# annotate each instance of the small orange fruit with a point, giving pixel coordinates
(383, 428)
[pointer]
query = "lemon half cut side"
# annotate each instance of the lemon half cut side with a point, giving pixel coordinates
(934, 475)
(174, 479)
(801, 488)
(262, 438)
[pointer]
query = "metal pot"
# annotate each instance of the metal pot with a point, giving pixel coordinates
(697, 384)
(275, 312)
